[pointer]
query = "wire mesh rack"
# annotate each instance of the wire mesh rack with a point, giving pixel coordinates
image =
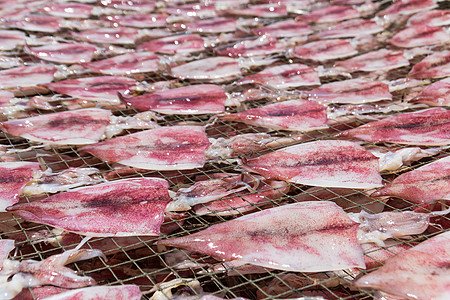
(138, 260)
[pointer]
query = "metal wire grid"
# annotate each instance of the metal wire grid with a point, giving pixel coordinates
(141, 262)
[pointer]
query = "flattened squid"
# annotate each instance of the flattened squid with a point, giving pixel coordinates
(435, 65)
(420, 273)
(165, 148)
(350, 91)
(436, 94)
(11, 39)
(67, 53)
(295, 237)
(193, 99)
(422, 185)
(284, 77)
(374, 231)
(126, 207)
(332, 13)
(292, 115)
(13, 178)
(102, 89)
(429, 127)
(379, 60)
(78, 127)
(287, 28)
(119, 35)
(120, 292)
(51, 271)
(324, 50)
(26, 76)
(419, 35)
(212, 69)
(328, 163)
(178, 44)
(125, 64)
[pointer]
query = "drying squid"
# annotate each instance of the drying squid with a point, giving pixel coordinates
(324, 50)
(436, 94)
(436, 65)
(326, 163)
(209, 26)
(422, 185)
(272, 10)
(120, 35)
(222, 148)
(379, 60)
(53, 182)
(119, 292)
(28, 76)
(419, 35)
(139, 20)
(407, 7)
(51, 271)
(102, 89)
(284, 77)
(288, 28)
(294, 237)
(349, 29)
(11, 39)
(264, 45)
(126, 207)
(165, 148)
(331, 14)
(192, 10)
(193, 99)
(186, 43)
(418, 273)
(77, 127)
(68, 10)
(7, 62)
(131, 5)
(174, 148)
(26, 178)
(125, 64)
(427, 127)
(6, 246)
(213, 69)
(397, 158)
(435, 17)
(375, 256)
(39, 23)
(376, 228)
(292, 115)
(14, 176)
(67, 53)
(351, 91)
